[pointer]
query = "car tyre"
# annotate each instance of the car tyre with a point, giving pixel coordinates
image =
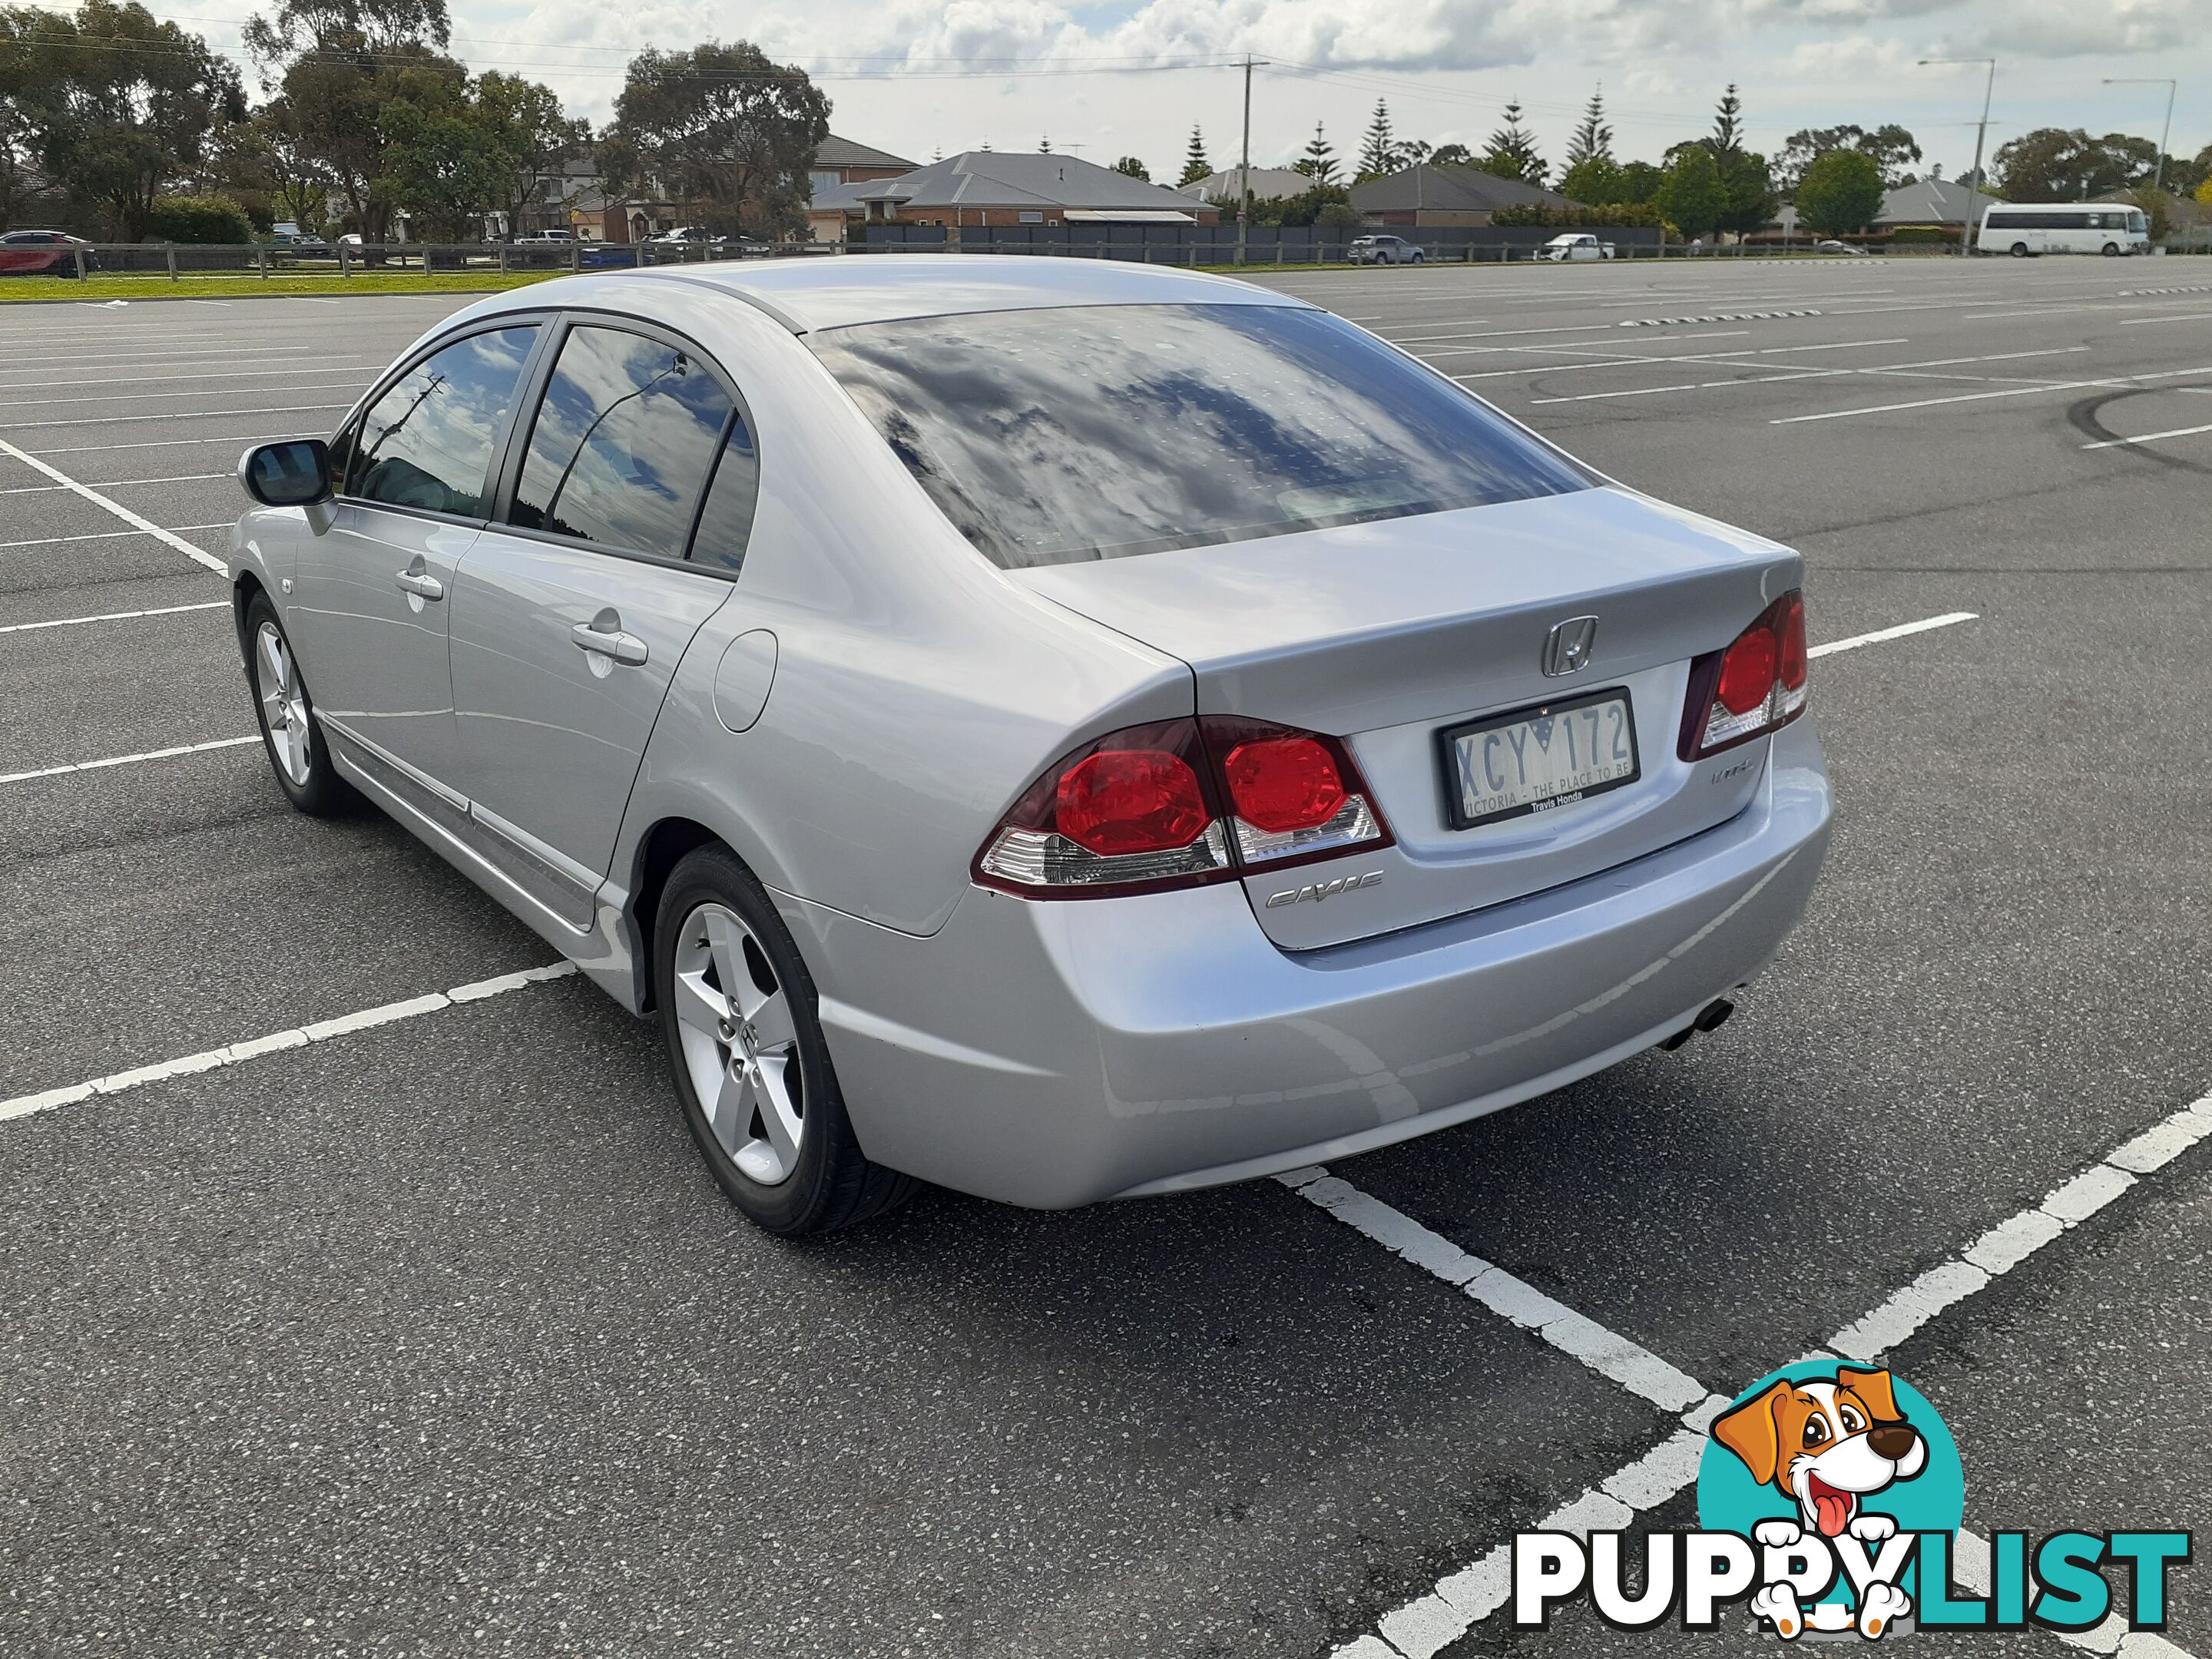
(291, 736)
(739, 1013)
(2020, 250)
(1419, 257)
(2112, 250)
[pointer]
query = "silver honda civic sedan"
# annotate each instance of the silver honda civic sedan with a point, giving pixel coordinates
(1058, 729)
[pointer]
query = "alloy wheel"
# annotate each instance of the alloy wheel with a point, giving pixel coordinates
(740, 1043)
(283, 703)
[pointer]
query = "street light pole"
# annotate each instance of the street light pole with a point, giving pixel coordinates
(2157, 176)
(1981, 132)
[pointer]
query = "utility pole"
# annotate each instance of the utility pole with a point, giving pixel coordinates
(2158, 178)
(1244, 168)
(1981, 132)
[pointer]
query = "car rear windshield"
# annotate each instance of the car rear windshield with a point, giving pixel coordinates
(1055, 435)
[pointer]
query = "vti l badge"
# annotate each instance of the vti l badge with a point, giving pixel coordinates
(1567, 647)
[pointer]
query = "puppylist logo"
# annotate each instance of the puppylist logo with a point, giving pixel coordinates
(1829, 1501)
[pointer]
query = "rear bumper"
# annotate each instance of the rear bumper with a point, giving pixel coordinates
(1052, 1053)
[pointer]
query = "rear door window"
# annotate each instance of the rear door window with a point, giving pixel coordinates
(428, 441)
(622, 445)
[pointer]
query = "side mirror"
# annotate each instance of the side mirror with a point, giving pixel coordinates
(295, 473)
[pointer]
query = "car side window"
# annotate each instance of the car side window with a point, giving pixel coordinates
(621, 443)
(426, 443)
(726, 522)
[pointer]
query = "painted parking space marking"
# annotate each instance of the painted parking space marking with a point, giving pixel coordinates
(151, 443)
(278, 1042)
(110, 535)
(1981, 397)
(115, 483)
(1464, 1599)
(1716, 317)
(109, 761)
(177, 415)
(2149, 437)
(1910, 371)
(117, 616)
(197, 556)
(1613, 360)
(141, 396)
(1948, 619)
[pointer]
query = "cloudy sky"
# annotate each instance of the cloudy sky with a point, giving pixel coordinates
(1116, 79)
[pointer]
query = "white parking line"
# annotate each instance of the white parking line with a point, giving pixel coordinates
(195, 555)
(152, 443)
(110, 535)
(115, 616)
(1464, 1599)
(2149, 437)
(1949, 618)
(1977, 396)
(126, 760)
(176, 415)
(43, 401)
(115, 483)
(277, 1041)
(2193, 317)
(1906, 370)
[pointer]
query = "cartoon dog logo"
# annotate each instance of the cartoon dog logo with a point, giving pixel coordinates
(1827, 1445)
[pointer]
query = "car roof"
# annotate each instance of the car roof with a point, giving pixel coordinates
(839, 291)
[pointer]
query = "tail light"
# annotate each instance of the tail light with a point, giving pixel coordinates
(1179, 803)
(1756, 686)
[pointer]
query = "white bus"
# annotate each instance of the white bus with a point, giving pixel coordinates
(2021, 229)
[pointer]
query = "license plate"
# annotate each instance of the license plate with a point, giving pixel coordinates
(1535, 760)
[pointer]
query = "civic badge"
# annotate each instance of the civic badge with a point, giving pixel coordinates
(1567, 647)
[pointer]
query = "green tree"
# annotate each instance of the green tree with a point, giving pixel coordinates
(2056, 164)
(1592, 139)
(1594, 179)
(21, 183)
(1378, 149)
(1691, 195)
(1195, 166)
(272, 158)
(1728, 125)
(1134, 168)
(1840, 193)
(530, 134)
(1512, 152)
(1640, 181)
(338, 64)
(1894, 150)
(198, 219)
(722, 127)
(1451, 155)
(1339, 216)
(120, 106)
(1318, 163)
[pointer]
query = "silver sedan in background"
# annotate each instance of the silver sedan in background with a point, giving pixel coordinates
(1058, 729)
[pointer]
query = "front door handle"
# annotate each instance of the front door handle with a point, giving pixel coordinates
(420, 584)
(609, 641)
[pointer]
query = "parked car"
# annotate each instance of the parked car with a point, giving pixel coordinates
(543, 238)
(988, 771)
(1830, 245)
(44, 253)
(303, 242)
(1383, 251)
(1575, 246)
(690, 234)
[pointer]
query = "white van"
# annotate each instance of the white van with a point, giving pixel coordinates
(2021, 229)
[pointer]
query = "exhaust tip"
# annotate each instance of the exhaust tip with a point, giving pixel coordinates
(1714, 1015)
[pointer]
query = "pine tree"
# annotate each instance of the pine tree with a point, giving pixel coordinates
(1593, 138)
(1727, 125)
(1319, 161)
(1512, 152)
(1377, 154)
(1195, 166)
(1044, 145)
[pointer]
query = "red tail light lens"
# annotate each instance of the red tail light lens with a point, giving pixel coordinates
(1756, 686)
(1178, 804)
(1120, 801)
(1283, 783)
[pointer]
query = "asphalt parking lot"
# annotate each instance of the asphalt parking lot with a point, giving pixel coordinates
(433, 1336)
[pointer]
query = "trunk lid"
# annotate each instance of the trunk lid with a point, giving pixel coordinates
(1385, 634)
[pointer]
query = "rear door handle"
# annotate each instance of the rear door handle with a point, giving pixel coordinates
(420, 584)
(622, 648)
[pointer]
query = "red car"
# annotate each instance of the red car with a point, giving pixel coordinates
(43, 253)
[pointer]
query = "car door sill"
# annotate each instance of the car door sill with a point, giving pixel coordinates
(452, 824)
